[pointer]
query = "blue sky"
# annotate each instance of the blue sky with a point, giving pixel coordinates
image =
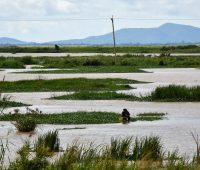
(58, 9)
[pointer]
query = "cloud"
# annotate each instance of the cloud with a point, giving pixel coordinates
(35, 8)
(44, 31)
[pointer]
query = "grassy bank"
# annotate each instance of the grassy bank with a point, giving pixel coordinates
(170, 93)
(74, 84)
(102, 49)
(81, 118)
(87, 64)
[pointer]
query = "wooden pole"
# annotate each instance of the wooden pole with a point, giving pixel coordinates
(114, 40)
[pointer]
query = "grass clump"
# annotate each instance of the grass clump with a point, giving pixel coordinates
(25, 124)
(74, 84)
(47, 144)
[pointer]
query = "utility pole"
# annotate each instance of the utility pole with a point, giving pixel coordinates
(114, 40)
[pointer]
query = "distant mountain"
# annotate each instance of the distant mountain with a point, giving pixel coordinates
(11, 41)
(165, 34)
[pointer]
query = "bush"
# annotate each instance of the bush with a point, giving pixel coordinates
(25, 124)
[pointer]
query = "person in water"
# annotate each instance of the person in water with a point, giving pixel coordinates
(126, 115)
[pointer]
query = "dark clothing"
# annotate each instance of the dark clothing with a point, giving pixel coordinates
(125, 115)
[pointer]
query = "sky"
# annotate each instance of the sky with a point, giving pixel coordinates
(54, 15)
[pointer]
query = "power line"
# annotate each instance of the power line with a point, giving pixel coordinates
(92, 19)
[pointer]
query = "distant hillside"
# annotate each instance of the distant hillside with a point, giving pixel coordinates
(11, 41)
(165, 34)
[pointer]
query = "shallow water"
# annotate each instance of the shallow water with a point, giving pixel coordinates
(175, 131)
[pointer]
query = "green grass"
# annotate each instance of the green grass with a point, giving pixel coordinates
(125, 63)
(79, 118)
(74, 84)
(171, 93)
(97, 96)
(176, 93)
(149, 117)
(4, 104)
(88, 69)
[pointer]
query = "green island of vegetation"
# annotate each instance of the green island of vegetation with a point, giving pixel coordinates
(68, 85)
(171, 93)
(79, 118)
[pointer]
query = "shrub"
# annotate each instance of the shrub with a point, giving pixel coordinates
(25, 124)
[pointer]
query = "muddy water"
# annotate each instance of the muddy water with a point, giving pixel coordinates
(157, 76)
(175, 131)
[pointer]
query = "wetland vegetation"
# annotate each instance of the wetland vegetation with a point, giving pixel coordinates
(171, 93)
(122, 153)
(77, 118)
(101, 64)
(68, 85)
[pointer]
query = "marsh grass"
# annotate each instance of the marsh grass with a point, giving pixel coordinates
(47, 144)
(89, 95)
(67, 118)
(122, 154)
(5, 101)
(171, 93)
(149, 117)
(75, 84)
(5, 104)
(102, 64)
(79, 118)
(176, 93)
